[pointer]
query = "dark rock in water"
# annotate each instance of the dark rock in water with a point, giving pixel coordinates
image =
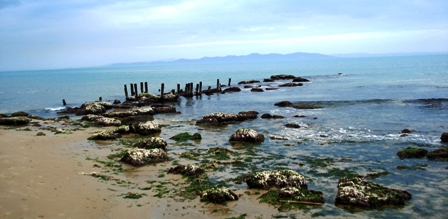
(249, 82)
(282, 77)
(292, 125)
(116, 101)
(3, 115)
(105, 135)
(444, 137)
(439, 154)
(226, 118)
(405, 131)
(299, 116)
(191, 170)
(248, 135)
(305, 106)
(271, 88)
(248, 86)
(17, 120)
(276, 178)
(256, 89)
(412, 153)
(283, 104)
(232, 89)
(151, 143)
(141, 157)
(291, 84)
(185, 136)
(300, 79)
(163, 109)
(269, 116)
(277, 117)
(19, 113)
(268, 80)
(360, 193)
(218, 195)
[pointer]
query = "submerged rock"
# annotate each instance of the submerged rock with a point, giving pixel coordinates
(360, 193)
(163, 109)
(412, 153)
(218, 195)
(439, 154)
(283, 104)
(17, 120)
(257, 89)
(444, 137)
(192, 170)
(140, 157)
(248, 135)
(151, 143)
(276, 178)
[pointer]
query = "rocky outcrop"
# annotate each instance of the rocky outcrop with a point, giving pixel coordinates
(283, 104)
(249, 82)
(145, 128)
(444, 137)
(300, 79)
(218, 195)
(297, 105)
(231, 89)
(190, 170)
(412, 153)
(103, 121)
(141, 157)
(151, 143)
(276, 178)
(282, 77)
(226, 118)
(105, 135)
(359, 193)
(292, 125)
(16, 120)
(19, 113)
(247, 135)
(439, 154)
(163, 109)
(303, 196)
(291, 84)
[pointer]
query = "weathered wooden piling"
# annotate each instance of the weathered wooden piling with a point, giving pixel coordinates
(230, 79)
(217, 84)
(63, 102)
(146, 87)
(126, 92)
(162, 90)
(197, 89)
(200, 87)
(141, 87)
(135, 89)
(178, 88)
(132, 89)
(101, 99)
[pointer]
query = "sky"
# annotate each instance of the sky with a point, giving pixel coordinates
(52, 34)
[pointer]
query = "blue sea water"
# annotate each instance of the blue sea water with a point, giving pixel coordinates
(366, 103)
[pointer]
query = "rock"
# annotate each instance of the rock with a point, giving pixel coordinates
(145, 128)
(360, 193)
(17, 120)
(291, 84)
(412, 153)
(40, 134)
(405, 131)
(248, 135)
(292, 125)
(116, 101)
(283, 104)
(276, 178)
(191, 170)
(105, 135)
(305, 106)
(268, 80)
(300, 79)
(232, 89)
(91, 117)
(136, 119)
(271, 88)
(444, 137)
(249, 82)
(282, 77)
(299, 116)
(301, 195)
(2, 115)
(141, 157)
(92, 108)
(19, 113)
(257, 89)
(185, 136)
(130, 112)
(123, 129)
(218, 195)
(103, 121)
(439, 154)
(226, 118)
(163, 109)
(269, 116)
(151, 143)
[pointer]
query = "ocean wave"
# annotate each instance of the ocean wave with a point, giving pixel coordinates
(55, 109)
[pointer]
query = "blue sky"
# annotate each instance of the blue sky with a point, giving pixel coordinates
(49, 34)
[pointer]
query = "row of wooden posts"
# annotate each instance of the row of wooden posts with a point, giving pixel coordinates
(187, 92)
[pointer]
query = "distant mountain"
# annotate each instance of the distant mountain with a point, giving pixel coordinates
(254, 57)
(366, 55)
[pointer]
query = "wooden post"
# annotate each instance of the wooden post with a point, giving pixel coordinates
(230, 79)
(135, 89)
(132, 89)
(141, 87)
(197, 89)
(178, 88)
(200, 87)
(208, 91)
(101, 99)
(162, 90)
(126, 92)
(217, 84)
(146, 87)
(63, 102)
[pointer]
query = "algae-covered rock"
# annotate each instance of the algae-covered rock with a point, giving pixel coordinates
(248, 135)
(439, 154)
(90, 117)
(17, 120)
(192, 170)
(218, 195)
(151, 143)
(185, 136)
(301, 195)
(103, 121)
(140, 157)
(163, 109)
(360, 193)
(122, 129)
(276, 178)
(105, 135)
(19, 113)
(412, 153)
(146, 128)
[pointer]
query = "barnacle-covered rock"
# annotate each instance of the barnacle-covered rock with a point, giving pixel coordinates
(140, 157)
(150, 143)
(95, 107)
(90, 117)
(19, 113)
(218, 195)
(16, 120)
(105, 135)
(276, 178)
(360, 193)
(103, 121)
(410, 152)
(130, 112)
(248, 135)
(187, 170)
(122, 129)
(146, 128)
(249, 82)
(163, 109)
(301, 195)
(226, 118)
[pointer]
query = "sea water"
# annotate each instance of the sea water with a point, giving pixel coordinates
(366, 102)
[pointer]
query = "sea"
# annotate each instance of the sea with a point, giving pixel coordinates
(366, 103)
